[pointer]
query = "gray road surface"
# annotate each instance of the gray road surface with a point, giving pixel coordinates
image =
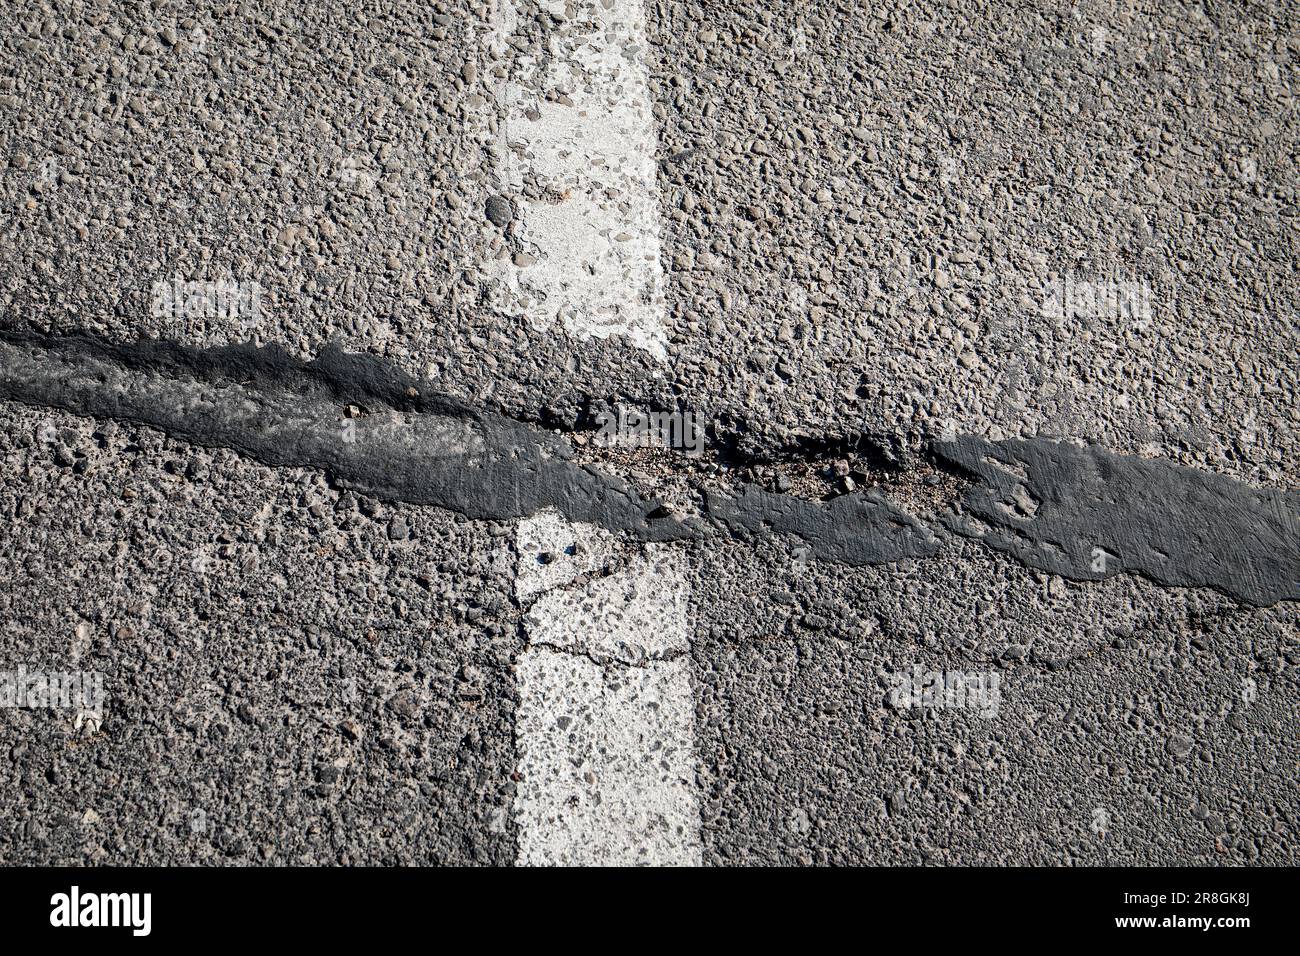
(986, 318)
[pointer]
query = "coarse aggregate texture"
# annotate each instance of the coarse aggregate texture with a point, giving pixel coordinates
(1167, 710)
(868, 205)
(893, 242)
(293, 674)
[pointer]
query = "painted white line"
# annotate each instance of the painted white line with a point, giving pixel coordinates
(552, 552)
(632, 617)
(577, 159)
(608, 770)
(606, 719)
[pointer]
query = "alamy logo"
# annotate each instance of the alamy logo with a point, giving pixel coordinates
(103, 909)
(961, 690)
(629, 427)
(1105, 298)
(80, 691)
(223, 300)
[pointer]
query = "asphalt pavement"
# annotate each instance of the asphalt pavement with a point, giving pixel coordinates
(675, 433)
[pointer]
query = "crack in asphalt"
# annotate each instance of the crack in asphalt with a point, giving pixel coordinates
(608, 662)
(1086, 513)
(1083, 513)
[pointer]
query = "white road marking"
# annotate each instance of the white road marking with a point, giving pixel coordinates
(635, 616)
(553, 553)
(577, 158)
(606, 720)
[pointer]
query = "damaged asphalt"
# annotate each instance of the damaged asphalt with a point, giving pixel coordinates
(1089, 513)
(310, 550)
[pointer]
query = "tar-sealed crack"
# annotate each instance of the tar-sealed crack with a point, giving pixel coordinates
(1083, 513)
(1086, 514)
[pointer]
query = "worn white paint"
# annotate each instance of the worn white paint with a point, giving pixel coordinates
(606, 718)
(605, 724)
(634, 616)
(577, 159)
(553, 552)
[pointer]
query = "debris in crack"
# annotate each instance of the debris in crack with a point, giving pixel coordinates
(414, 445)
(1086, 514)
(1082, 513)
